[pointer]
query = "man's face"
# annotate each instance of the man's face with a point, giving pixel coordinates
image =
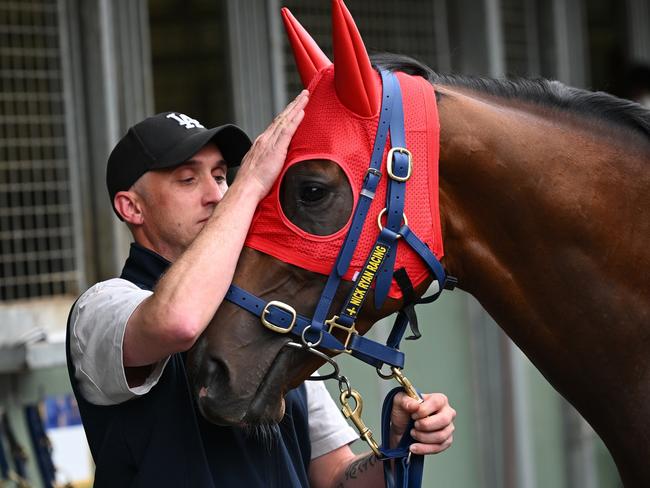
(177, 202)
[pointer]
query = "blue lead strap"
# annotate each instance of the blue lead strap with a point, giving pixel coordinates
(408, 467)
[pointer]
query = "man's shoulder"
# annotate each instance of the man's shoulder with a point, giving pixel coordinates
(111, 290)
(110, 286)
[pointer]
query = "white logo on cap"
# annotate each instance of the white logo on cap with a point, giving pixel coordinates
(185, 121)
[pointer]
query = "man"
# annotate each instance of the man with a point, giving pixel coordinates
(167, 181)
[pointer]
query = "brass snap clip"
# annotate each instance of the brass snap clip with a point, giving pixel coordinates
(406, 384)
(354, 414)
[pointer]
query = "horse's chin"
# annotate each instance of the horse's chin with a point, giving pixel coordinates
(260, 413)
(266, 405)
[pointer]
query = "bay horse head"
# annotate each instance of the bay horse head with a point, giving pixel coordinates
(240, 369)
(543, 193)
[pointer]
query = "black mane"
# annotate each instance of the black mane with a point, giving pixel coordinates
(625, 113)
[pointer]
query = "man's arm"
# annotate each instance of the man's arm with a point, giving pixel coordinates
(433, 432)
(188, 295)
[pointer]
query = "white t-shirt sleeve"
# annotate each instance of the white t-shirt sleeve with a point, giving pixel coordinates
(328, 429)
(97, 325)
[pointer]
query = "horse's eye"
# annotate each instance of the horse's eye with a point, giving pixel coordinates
(311, 193)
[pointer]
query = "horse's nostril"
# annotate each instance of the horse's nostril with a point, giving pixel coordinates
(217, 372)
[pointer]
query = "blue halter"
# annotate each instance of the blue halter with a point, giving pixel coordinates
(318, 331)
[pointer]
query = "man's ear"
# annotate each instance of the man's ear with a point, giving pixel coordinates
(128, 205)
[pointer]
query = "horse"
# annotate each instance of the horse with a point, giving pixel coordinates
(544, 205)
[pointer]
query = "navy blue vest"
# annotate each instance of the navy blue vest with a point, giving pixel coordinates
(161, 440)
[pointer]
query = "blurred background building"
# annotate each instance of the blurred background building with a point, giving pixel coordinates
(75, 74)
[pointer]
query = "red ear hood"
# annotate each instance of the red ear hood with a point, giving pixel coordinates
(334, 131)
(309, 57)
(356, 81)
(356, 85)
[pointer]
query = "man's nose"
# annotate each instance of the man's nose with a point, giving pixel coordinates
(213, 192)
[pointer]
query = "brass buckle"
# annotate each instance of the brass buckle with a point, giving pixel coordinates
(389, 163)
(332, 323)
(282, 306)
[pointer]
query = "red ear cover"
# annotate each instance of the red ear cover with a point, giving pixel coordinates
(355, 80)
(310, 59)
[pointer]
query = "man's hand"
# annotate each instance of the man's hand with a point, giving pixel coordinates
(433, 417)
(433, 433)
(264, 160)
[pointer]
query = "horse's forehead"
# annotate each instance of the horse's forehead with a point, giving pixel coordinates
(321, 166)
(329, 130)
(329, 127)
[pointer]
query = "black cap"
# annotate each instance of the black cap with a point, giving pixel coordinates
(166, 140)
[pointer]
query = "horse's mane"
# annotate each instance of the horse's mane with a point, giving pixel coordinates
(549, 93)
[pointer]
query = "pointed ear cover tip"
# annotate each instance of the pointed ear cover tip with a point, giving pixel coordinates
(355, 77)
(310, 59)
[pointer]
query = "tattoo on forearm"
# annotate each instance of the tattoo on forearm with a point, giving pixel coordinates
(359, 467)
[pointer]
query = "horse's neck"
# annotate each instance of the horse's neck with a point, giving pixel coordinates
(547, 227)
